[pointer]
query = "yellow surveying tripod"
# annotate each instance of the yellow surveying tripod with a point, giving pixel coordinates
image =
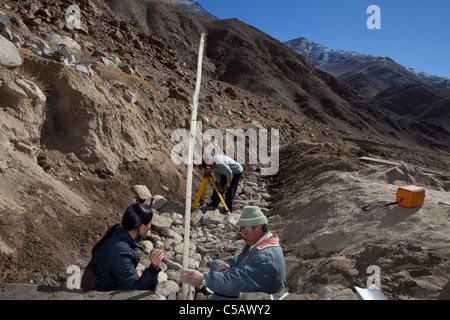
(202, 191)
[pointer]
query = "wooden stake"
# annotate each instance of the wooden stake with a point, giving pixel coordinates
(187, 214)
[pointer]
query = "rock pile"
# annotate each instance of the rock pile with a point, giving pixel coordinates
(213, 234)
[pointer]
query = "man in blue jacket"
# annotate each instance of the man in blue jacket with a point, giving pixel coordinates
(260, 267)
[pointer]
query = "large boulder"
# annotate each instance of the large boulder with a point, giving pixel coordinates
(9, 55)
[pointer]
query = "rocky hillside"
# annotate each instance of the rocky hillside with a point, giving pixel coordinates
(88, 108)
(410, 98)
(246, 57)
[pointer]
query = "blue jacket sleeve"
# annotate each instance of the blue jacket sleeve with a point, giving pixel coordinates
(251, 277)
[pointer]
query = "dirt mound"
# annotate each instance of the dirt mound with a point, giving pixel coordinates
(331, 242)
(407, 175)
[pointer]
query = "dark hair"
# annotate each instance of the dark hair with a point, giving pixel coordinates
(135, 215)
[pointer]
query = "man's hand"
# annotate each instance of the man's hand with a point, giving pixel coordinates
(192, 277)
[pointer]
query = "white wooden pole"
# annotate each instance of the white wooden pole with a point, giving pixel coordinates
(187, 214)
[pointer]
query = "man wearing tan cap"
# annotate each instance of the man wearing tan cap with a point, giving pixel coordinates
(260, 267)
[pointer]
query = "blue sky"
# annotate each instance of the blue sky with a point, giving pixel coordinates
(414, 33)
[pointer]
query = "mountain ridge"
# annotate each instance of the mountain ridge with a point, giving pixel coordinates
(195, 9)
(355, 68)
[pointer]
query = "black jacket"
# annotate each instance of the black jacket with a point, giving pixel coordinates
(113, 266)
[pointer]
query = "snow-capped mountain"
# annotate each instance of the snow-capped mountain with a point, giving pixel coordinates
(369, 75)
(436, 81)
(194, 9)
(333, 61)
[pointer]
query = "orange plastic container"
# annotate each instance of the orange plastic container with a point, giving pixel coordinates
(413, 196)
